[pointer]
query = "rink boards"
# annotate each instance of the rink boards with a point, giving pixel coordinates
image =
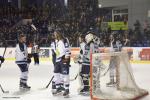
(136, 54)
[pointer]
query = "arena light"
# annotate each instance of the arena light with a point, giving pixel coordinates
(66, 2)
(148, 13)
(100, 6)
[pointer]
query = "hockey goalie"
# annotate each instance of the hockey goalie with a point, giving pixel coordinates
(88, 44)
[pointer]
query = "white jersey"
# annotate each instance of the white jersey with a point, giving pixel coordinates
(35, 49)
(21, 53)
(60, 50)
(82, 49)
(67, 48)
(89, 48)
(115, 46)
(53, 46)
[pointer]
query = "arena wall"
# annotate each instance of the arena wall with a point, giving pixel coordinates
(137, 9)
(136, 54)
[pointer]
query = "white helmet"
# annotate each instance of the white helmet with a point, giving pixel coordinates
(89, 37)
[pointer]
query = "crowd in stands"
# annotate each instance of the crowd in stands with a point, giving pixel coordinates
(71, 27)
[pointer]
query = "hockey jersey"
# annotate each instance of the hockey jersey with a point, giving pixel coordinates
(53, 50)
(96, 44)
(53, 47)
(89, 48)
(67, 48)
(115, 46)
(82, 50)
(35, 49)
(21, 53)
(60, 50)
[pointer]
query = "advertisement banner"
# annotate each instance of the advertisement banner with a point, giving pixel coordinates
(118, 25)
(135, 53)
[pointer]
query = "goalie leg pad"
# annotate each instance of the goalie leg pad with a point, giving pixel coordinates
(85, 70)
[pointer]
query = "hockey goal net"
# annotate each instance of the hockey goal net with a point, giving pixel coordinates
(112, 78)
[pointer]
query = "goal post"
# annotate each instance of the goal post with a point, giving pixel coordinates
(112, 77)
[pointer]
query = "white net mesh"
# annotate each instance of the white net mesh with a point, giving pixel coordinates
(112, 77)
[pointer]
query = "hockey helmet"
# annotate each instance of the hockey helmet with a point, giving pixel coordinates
(89, 37)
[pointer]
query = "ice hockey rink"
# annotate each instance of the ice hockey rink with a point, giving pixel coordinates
(39, 76)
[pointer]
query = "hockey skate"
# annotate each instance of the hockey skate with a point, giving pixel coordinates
(112, 83)
(62, 87)
(24, 86)
(57, 92)
(85, 92)
(66, 93)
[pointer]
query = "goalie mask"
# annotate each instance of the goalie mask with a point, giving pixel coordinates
(89, 37)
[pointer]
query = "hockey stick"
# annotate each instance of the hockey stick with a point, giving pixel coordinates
(74, 78)
(3, 54)
(105, 72)
(3, 90)
(0, 66)
(4, 51)
(49, 82)
(53, 78)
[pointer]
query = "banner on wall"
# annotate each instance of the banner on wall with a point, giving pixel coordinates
(135, 53)
(118, 25)
(44, 53)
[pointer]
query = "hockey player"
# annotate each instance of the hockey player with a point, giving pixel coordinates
(78, 58)
(115, 46)
(22, 61)
(53, 50)
(85, 70)
(65, 72)
(35, 52)
(62, 65)
(82, 46)
(1, 60)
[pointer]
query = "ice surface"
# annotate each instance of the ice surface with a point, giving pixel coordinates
(39, 77)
